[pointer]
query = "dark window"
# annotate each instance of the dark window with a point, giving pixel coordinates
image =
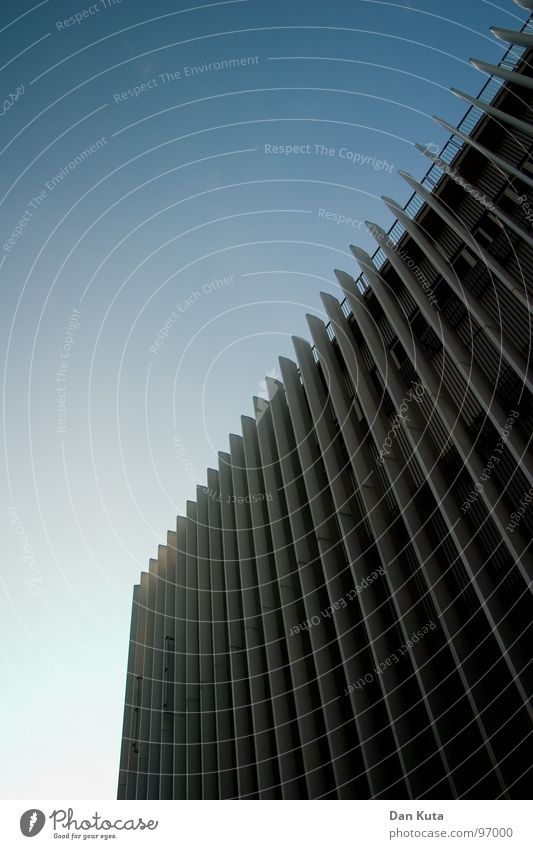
(427, 337)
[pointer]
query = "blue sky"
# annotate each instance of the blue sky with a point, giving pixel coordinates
(168, 235)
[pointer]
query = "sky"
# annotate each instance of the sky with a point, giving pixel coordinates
(175, 190)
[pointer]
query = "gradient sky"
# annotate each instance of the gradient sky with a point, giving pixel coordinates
(179, 193)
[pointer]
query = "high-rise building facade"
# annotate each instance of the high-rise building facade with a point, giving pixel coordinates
(345, 611)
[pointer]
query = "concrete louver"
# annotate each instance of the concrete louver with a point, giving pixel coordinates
(488, 260)
(525, 39)
(502, 117)
(501, 215)
(345, 609)
(500, 161)
(525, 4)
(503, 73)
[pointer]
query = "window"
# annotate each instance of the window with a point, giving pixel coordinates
(464, 262)
(427, 337)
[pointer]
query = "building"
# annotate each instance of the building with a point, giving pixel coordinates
(345, 611)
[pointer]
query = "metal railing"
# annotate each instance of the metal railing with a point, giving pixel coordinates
(451, 149)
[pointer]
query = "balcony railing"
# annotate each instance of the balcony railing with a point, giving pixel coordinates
(448, 153)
